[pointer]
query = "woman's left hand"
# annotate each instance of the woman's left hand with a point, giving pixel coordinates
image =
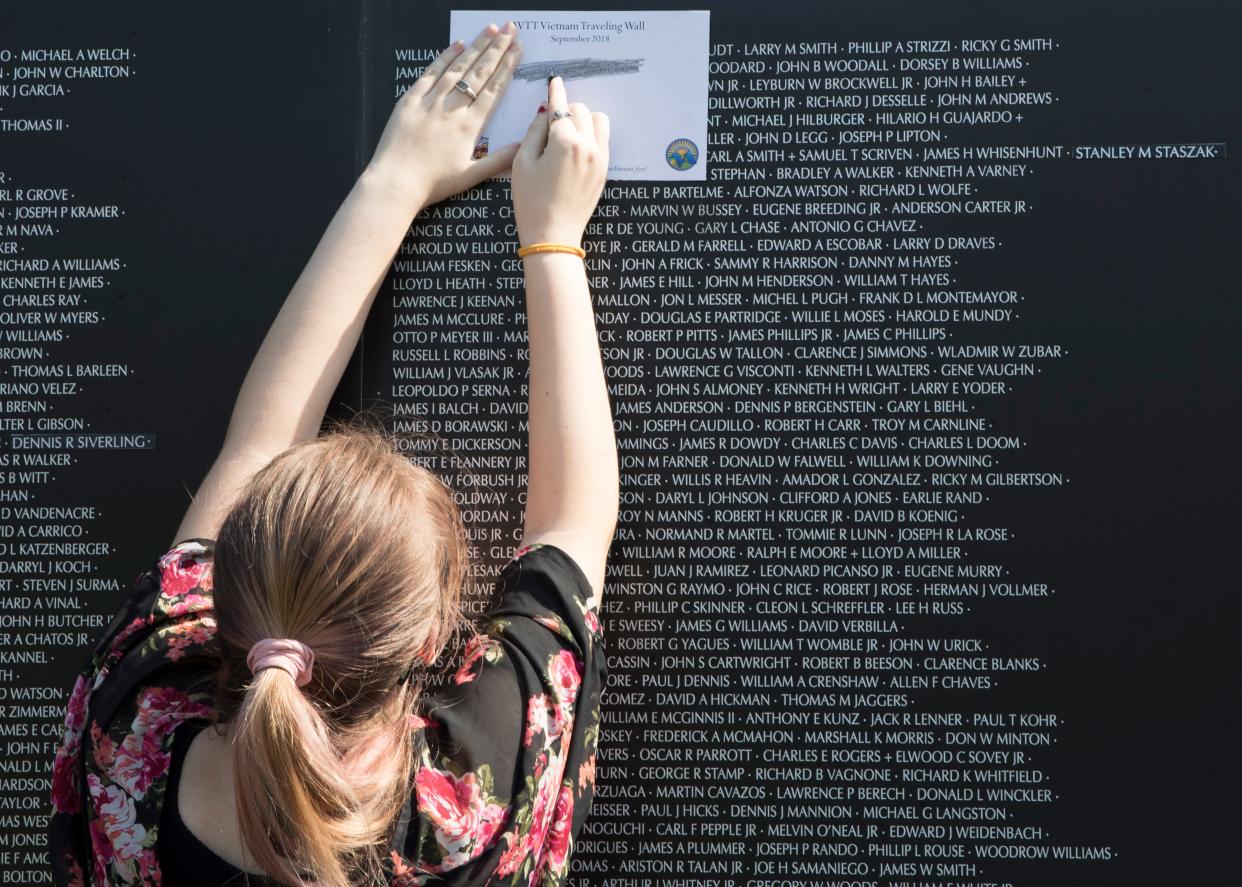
(426, 150)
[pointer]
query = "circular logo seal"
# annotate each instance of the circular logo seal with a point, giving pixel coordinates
(681, 154)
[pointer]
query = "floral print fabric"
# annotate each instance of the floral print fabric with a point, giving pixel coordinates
(506, 753)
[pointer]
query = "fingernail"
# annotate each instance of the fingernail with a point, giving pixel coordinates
(509, 27)
(550, 76)
(542, 108)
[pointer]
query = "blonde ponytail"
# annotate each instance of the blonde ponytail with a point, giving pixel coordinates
(292, 779)
(343, 544)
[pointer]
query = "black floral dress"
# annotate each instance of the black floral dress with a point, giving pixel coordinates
(506, 754)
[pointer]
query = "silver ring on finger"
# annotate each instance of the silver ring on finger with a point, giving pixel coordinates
(558, 114)
(464, 87)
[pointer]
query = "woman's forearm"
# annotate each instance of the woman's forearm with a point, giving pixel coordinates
(299, 365)
(424, 155)
(573, 475)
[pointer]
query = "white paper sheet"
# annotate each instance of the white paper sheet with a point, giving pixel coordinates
(646, 70)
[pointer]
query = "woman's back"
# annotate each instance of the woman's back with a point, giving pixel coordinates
(506, 752)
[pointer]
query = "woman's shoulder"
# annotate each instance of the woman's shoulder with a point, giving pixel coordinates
(167, 617)
(544, 581)
(182, 586)
(168, 614)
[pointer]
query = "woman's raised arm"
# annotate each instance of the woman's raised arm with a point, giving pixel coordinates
(573, 490)
(425, 154)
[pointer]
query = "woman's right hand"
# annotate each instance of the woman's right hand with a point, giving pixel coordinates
(559, 171)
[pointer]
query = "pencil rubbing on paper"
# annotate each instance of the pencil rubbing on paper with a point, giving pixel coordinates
(576, 69)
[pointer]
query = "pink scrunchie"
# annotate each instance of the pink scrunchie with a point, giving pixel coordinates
(292, 656)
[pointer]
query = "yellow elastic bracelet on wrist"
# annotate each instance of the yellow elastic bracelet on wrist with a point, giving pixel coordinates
(524, 251)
